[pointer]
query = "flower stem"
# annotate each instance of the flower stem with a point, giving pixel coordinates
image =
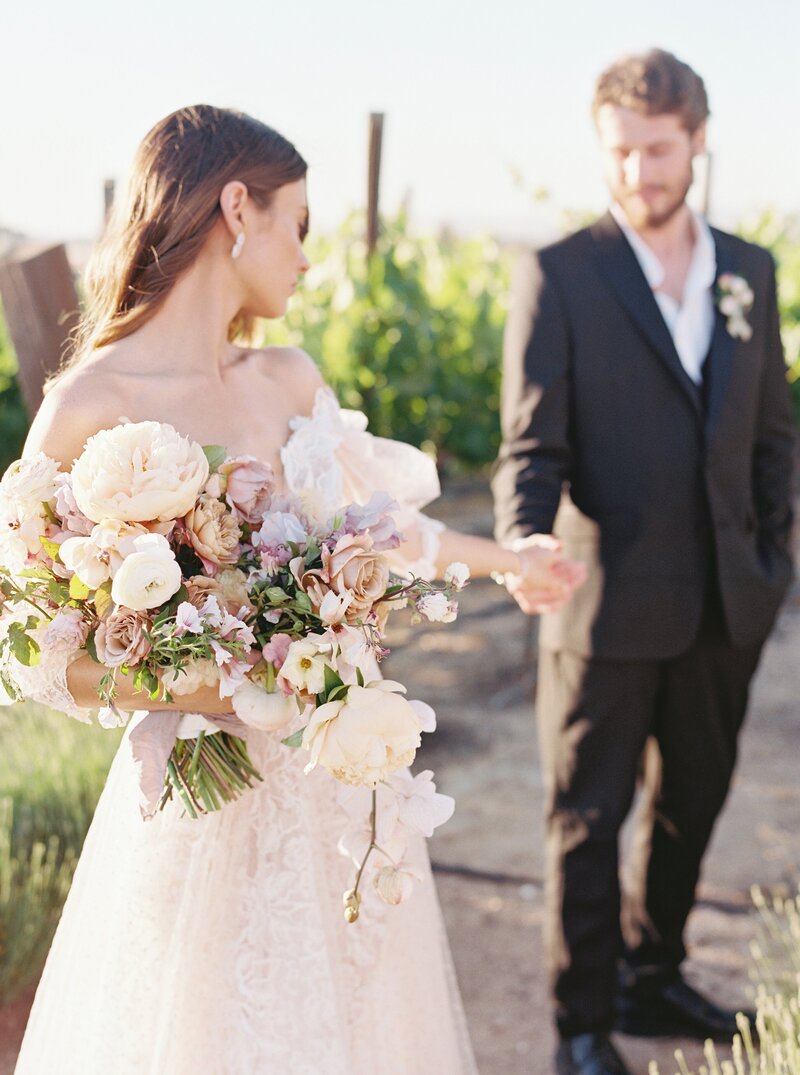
(373, 818)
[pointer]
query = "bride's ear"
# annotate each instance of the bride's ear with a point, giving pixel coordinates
(232, 200)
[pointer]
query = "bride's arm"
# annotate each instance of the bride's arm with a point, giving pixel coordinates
(83, 680)
(535, 565)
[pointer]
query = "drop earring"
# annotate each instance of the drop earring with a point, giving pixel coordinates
(236, 249)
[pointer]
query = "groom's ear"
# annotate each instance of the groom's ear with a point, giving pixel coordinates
(698, 140)
(232, 200)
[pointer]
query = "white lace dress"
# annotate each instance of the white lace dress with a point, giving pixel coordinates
(219, 946)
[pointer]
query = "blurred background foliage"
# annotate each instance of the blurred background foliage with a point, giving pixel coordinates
(414, 338)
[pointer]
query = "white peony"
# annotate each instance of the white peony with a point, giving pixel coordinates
(139, 472)
(367, 735)
(261, 709)
(147, 577)
(28, 483)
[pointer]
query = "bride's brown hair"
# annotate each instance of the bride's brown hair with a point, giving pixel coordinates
(156, 232)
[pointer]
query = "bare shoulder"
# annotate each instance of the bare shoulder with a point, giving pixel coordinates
(77, 406)
(295, 370)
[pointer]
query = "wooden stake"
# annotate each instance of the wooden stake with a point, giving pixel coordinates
(373, 178)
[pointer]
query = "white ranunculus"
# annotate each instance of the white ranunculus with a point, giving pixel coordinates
(304, 667)
(362, 738)
(96, 558)
(139, 472)
(147, 577)
(258, 708)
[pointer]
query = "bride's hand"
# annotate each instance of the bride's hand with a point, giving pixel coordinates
(546, 580)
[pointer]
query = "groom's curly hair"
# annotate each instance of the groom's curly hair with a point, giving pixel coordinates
(654, 83)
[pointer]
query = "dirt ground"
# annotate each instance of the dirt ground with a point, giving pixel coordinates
(479, 674)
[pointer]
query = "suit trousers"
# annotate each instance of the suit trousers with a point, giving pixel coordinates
(595, 717)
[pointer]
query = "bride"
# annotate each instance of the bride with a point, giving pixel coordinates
(219, 946)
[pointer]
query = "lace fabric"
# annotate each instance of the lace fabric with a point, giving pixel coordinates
(219, 945)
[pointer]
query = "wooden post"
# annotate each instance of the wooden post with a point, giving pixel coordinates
(108, 197)
(373, 178)
(41, 310)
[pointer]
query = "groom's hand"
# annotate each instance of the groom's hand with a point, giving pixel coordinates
(547, 580)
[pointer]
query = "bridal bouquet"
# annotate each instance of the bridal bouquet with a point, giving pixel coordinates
(181, 567)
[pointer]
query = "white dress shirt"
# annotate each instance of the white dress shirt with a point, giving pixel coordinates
(690, 322)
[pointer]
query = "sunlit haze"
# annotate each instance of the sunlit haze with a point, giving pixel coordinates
(472, 95)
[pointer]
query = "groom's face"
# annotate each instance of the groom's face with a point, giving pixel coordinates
(647, 162)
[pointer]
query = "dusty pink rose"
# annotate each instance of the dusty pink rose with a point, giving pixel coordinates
(353, 567)
(200, 587)
(213, 531)
(121, 639)
(66, 632)
(250, 484)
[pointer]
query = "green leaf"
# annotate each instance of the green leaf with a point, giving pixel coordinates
(78, 590)
(24, 648)
(359, 677)
(91, 647)
(51, 548)
(332, 680)
(275, 595)
(294, 740)
(303, 602)
(103, 600)
(216, 456)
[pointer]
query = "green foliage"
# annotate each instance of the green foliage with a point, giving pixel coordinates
(414, 338)
(52, 770)
(13, 416)
(781, 235)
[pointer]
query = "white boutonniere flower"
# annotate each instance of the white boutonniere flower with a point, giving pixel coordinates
(735, 300)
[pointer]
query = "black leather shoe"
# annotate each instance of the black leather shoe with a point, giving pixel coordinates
(671, 1008)
(589, 1054)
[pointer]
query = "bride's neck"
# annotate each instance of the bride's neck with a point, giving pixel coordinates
(189, 332)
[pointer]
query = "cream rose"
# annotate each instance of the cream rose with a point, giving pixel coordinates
(213, 531)
(353, 568)
(121, 638)
(147, 577)
(139, 472)
(364, 737)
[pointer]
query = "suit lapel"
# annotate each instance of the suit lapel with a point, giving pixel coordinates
(621, 269)
(717, 370)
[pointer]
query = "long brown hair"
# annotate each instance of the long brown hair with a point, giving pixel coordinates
(156, 232)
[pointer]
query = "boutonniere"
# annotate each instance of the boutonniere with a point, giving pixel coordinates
(735, 299)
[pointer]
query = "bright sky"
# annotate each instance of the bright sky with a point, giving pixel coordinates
(471, 91)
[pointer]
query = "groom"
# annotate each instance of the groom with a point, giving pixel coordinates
(646, 422)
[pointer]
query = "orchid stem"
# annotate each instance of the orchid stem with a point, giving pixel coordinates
(373, 817)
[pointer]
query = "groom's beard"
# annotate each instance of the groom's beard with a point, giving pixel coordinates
(653, 206)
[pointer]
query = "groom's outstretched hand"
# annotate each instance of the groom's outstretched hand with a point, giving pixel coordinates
(547, 580)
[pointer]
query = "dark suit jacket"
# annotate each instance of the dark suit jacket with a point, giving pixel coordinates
(609, 444)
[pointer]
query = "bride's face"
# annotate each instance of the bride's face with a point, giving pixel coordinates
(272, 259)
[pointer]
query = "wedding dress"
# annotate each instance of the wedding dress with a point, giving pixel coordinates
(219, 946)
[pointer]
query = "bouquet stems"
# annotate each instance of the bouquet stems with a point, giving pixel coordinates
(208, 772)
